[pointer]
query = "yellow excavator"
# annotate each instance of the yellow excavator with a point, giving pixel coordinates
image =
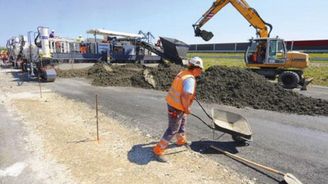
(265, 56)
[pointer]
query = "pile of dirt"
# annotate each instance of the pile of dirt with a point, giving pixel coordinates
(72, 73)
(241, 88)
(114, 75)
(164, 75)
(224, 85)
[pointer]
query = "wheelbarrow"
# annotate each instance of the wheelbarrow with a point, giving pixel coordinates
(228, 122)
(237, 126)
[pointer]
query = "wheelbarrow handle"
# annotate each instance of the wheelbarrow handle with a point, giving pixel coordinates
(200, 105)
(203, 121)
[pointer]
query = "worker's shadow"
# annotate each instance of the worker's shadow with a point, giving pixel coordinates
(142, 154)
(5, 66)
(204, 146)
(21, 77)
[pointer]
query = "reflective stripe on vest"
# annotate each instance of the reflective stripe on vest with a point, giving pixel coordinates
(173, 97)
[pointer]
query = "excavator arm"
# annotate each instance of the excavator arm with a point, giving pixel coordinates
(243, 8)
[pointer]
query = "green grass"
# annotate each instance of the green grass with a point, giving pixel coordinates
(318, 70)
(222, 60)
(319, 55)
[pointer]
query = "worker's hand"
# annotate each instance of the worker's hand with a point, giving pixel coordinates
(186, 100)
(187, 111)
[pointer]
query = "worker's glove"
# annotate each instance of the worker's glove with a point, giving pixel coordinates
(187, 111)
(173, 114)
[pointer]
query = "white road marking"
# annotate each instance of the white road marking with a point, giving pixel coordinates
(13, 170)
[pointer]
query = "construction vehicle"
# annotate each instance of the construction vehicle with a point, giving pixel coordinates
(128, 47)
(43, 65)
(37, 53)
(31, 54)
(4, 55)
(265, 56)
(14, 49)
(121, 47)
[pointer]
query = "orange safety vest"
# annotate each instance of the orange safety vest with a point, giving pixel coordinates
(173, 97)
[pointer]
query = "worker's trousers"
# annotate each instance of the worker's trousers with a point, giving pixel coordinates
(177, 122)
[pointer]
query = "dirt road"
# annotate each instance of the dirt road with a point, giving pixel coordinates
(288, 142)
(59, 133)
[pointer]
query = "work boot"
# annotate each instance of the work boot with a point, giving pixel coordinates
(158, 150)
(181, 139)
(160, 158)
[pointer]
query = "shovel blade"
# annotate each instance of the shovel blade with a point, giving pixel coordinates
(291, 179)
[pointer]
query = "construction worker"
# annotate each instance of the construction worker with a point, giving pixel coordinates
(52, 34)
(179, 100)
(79, 39)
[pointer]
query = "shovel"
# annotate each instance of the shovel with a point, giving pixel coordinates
(288, 178)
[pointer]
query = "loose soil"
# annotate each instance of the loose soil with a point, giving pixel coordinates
(63, 132)
(224, 85)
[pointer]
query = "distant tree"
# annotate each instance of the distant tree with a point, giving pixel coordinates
(3, 48)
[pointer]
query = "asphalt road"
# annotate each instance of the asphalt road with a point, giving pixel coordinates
(287, 142)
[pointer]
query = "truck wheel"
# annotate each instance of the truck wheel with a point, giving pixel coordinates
(289, 79)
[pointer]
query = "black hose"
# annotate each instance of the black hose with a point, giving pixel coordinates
(267, 24)
(38, 44)
(270, 26)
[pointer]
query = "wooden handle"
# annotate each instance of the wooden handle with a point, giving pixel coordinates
(248, 161)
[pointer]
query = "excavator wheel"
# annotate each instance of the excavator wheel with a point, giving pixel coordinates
(289, 79)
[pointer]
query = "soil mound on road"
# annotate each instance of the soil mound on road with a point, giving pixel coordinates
(114, 75)
(224, 85)
(240, 88)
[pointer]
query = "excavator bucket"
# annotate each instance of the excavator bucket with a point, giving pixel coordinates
(174, 50)
(205, 35)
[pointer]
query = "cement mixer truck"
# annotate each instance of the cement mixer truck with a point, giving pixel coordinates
(32, 54)
(42, 64)
(14, 49)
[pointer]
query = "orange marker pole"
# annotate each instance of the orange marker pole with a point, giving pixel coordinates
(97, 118)
(40, 87)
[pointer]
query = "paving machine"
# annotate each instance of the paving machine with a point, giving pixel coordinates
(265, 56)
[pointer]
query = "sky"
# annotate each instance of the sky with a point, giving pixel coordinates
(291, 19)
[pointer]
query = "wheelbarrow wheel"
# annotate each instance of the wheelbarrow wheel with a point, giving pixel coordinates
(238, 139)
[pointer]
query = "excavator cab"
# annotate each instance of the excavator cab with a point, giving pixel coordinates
(266, 52)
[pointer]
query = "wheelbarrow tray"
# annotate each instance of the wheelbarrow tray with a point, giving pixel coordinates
(231, 123)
